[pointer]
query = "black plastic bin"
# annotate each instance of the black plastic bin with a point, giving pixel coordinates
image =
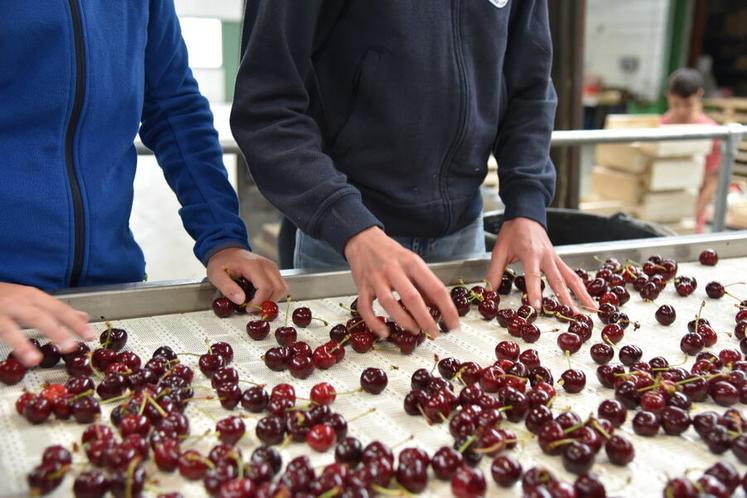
(569, 226)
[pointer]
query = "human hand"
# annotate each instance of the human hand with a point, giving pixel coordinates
(261, 272)
(23, 306)
(381, 266)
(525, 240)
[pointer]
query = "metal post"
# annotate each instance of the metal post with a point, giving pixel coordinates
(728, 156)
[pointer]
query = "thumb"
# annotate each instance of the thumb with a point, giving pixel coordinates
(227, 286)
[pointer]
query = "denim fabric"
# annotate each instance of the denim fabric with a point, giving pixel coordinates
(469, 242)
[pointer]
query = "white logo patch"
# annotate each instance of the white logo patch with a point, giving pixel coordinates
(499, 3)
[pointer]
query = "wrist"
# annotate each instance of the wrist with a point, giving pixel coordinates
(358, 242)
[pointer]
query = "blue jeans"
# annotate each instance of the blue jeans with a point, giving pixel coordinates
(469, 242)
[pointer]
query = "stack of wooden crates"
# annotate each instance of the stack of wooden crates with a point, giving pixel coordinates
(652, 181)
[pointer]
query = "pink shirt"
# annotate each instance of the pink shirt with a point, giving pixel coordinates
(713, 160)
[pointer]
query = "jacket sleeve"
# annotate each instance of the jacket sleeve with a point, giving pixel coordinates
(281, 142)
(177, 126)
(522, 150)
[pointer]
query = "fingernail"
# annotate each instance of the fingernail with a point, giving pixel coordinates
(88, 333)
(67, 345)
(31, 357)
(236, 297)
(383, 333)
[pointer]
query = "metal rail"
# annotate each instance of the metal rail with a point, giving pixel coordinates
(161, 298)
(730, 135)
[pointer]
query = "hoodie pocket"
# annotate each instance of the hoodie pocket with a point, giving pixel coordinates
(350, 131)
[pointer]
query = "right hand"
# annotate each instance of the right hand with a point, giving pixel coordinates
(21, 305)
(381, 266)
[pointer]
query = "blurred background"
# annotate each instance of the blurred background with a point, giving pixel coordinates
(612, 62)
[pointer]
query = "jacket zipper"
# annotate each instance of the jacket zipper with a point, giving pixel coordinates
(80, 70)
(459, 136)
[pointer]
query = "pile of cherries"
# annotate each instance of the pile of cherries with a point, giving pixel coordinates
(720, 480)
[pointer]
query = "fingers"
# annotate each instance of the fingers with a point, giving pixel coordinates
(46, 324)
(557, 283)
(395, 311)
(533, 279)
(576, 285)
(225, 284)
(435, 292)
(12, 335)
(76, 321)
(418, 317)
(365, 309)
(497, 266)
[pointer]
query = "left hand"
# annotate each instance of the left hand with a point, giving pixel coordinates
(261, 272)
(525, 240)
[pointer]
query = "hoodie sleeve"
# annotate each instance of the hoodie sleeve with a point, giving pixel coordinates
(177, 126)
(281, 142)
(522, 150)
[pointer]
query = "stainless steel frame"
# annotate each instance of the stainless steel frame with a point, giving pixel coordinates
(730, 134)
(161, 298)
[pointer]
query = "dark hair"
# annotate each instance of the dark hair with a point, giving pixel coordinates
(685, 82)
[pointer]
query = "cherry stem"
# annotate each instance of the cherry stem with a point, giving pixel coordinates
(425, 416)
(156, 406)
(146, 396)
(130, 472)
(386, 491)
(561, 442)
(574, 428)
(595, 423)
(116, 399)
(331, 493)
(287, 310)
(361, 415)
(467, 443)
(325, 322)
(410, 438)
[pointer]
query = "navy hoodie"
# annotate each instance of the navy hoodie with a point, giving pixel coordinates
(359, 113)
(78, 80)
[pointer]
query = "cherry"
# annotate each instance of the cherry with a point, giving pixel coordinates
(629, 354)
(619, 450)
(277, 358)
(11, 371)
(222, 349)
(90, 484)
(412, 475)
(210, 363)
(166, 454)
(323, 394)
(612, 410)
(573, 380)
(223, 307)
(224, 375)
(504, 350)
(323, 356)
(646, 424)
(348, 451)
(50, 355)
(578, 458)
(685, 285)
(488, 309)
(505, 471)
(301, 366)
(468, 482)
(258, 329)
(601, 353)
(373, 380)
(568, 342)
(270, 430)
(529, 333)
(230, 430)
(44, 478)
(192, 465)
(715, 290)
(57, 454)
(445, 463)
(301, 317)
(321, 437)
(361, 342)
(692, 343)
(665, 315)
(286, 335)
(724, 393)
(708, 257)
(268, 310)
(674, 420)
(113, 339)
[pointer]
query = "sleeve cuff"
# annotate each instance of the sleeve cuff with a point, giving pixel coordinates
(525, 202)
(342, 220)
(225, 244)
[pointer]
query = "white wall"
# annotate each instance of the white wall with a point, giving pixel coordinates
(622, 28)
(228, 10)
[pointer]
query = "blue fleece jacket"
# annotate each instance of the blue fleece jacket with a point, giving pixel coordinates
(360, 113)
(78, 81)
